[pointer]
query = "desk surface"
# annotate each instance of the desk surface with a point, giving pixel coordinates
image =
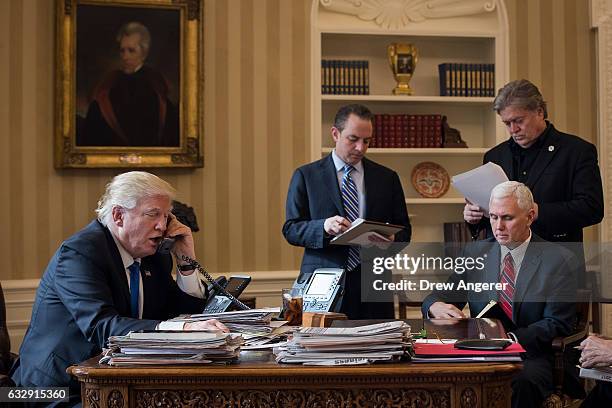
(257, 379)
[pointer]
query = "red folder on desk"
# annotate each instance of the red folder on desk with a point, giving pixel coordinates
(449, 350)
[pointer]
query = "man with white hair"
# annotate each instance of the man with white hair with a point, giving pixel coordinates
(107, 280)
(535, 291)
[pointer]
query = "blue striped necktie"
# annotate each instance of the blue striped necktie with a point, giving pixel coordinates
(350, 200)
(134, 288)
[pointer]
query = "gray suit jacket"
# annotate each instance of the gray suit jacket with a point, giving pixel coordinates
(544, 297)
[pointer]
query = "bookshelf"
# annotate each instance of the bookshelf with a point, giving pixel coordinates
(472, 31)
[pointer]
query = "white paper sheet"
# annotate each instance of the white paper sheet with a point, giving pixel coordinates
(476, 185)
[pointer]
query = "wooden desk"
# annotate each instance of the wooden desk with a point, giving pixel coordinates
(257, 381)
(260, 382)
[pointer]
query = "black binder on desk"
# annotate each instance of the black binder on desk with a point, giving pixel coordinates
(360, 227)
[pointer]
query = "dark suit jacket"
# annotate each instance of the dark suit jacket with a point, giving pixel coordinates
(544, 297)
(314, 195)
(83, 298)
(565, 182)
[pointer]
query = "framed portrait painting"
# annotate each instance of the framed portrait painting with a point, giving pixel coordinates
(129, 83)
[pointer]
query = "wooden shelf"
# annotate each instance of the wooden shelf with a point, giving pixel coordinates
(441, 200)
(471, 151)
(477, 100)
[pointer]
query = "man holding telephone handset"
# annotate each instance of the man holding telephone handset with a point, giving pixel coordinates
(109, 279)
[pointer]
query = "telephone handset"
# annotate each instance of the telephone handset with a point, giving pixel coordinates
(216, 302)
(219, 299)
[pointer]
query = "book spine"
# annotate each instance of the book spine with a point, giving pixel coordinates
(442, 73)
(332, 77)
(419, 131)
(366, 77)
(412, 135)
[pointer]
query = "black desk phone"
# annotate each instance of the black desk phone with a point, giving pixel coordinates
(218, 301)
(222, 293)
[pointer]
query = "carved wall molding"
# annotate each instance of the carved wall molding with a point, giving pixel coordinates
(295, 398)
(397, 14)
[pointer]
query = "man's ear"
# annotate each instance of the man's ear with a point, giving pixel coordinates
(335, 134)
(118, 214)
(530, 216)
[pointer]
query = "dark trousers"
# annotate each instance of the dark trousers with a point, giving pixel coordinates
(533, 383)
(600, 396)
(352, 305)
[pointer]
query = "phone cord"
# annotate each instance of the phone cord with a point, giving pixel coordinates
(220, 288)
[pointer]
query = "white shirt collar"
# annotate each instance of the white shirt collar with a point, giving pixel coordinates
(517, 253)
(126, 258)
(339, 163)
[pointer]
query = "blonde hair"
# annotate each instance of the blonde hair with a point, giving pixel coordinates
(126, 189)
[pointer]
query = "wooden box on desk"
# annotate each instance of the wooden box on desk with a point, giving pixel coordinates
(320, 319)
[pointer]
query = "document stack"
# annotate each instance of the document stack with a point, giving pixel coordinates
(255, 325)
(239, 321)
(598, 373)
(347, 346)
(172, 347)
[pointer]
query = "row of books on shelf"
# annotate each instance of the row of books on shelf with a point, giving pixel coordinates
(342, 77)
(457, 79)
(407, 131)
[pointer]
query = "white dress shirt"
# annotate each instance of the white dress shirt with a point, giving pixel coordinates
(189, 284)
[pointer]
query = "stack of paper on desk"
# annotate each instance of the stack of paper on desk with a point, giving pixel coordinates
(350, 345)
(172, 347)
(597, 373)
(239, 321)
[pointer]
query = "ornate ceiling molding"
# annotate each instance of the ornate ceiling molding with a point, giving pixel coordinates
(397, 14)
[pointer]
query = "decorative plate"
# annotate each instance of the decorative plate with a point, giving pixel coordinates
(430, 179)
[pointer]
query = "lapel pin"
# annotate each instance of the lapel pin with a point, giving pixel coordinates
(147, 273)
(551, 148)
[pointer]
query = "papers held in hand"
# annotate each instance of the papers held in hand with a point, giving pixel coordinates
(476, 185)
(361, 231)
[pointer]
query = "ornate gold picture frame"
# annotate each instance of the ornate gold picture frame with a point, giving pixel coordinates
(129, 83)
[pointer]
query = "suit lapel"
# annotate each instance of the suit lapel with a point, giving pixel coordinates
(529, 268)
(370, 189)
(330, 180)
(118, 269)
(545, 155)
(148, 287)
(493, 267)
(505, 161)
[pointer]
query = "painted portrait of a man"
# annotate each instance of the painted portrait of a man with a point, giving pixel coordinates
(128, 95)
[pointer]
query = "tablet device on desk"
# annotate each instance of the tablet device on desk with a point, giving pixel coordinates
(360, 227)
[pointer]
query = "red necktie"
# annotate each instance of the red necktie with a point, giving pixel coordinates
(508, 277)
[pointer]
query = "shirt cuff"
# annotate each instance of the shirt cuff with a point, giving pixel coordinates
(190, 284)
(170, 325)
